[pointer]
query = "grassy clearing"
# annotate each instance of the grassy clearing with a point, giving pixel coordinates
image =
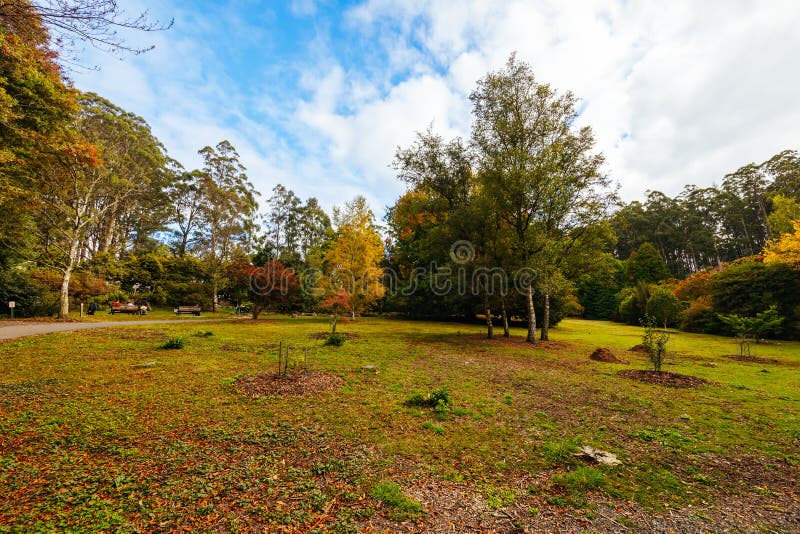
(104, 429)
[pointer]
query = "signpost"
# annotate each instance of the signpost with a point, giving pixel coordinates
(11, 306)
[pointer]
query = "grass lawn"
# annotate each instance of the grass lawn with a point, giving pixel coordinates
(105, 430)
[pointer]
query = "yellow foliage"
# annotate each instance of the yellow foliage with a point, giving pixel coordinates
(353, 261)
(786, 249)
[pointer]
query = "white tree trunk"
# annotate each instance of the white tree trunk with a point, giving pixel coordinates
(531, 316)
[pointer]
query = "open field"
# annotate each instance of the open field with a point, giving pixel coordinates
(104, 429)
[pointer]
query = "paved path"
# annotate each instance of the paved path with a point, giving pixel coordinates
(14, 330)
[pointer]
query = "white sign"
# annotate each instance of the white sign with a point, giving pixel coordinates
(11, 304)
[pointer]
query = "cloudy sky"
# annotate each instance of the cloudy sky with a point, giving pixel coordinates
(317, 95)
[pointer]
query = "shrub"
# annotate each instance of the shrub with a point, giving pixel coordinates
(173, 343)
(700, 317)
(401, 507)
(335, 340)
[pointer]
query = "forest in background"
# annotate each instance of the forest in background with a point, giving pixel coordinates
(96, 210)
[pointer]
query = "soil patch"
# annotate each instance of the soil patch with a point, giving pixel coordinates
(605, 355)
(324, 335)
(664, 378)
(753, 359)
(296, 383)
(636, 348)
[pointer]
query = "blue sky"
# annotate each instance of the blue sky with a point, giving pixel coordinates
(317, 94)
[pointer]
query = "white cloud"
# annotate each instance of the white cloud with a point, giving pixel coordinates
(679, 92)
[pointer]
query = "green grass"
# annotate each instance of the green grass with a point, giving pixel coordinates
(401, 507)
(90, 438)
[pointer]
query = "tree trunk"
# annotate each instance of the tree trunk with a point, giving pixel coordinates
(353, 314)
(545, 335)
(531, 316)
(107, 237)
(506, 332)
(214, 295)
(488, 312)
(63, 309)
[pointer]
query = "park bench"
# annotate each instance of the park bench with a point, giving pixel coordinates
(128, 308)
(194, 310)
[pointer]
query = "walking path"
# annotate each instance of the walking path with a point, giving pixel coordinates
(14, 330)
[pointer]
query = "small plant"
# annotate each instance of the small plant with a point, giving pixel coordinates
(203, 333)
(576, 483)
(438, 399)
(437, 429)
(654, 342)
(173, 343)
(442, 409)
(335, 340)
(497, 498)
(401, 507)
(560, 452)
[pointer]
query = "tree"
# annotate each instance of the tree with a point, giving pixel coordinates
(353, 260)
(784, 211)
(66, 205)
(229, 209)
(663, 306)
(654, 343)
(786, 249)
(534, 164)
(37, 108)
(272, 286)
(766, 322)
(90, 21)
(186, 199)
(336, 303)
(645, 264)
(133, 192)
(283, 221)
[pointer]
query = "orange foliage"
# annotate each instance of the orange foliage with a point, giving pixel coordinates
(696, 285)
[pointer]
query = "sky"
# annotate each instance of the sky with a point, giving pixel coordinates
(317, 95)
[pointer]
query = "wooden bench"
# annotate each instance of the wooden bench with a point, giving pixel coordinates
(128, 308)
(194, 310)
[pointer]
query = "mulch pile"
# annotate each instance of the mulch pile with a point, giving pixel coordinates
(295, 383)
(754, 359)
(636, 348)
(325, 335)
(605, 355)
(664, 378)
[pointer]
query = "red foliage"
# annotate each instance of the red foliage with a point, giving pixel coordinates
(273, 286)
(337, 303)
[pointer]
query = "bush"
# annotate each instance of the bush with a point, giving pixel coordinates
(748, 287)
(335, 340)
(400, 506)
(173, 343)
(700, 317)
